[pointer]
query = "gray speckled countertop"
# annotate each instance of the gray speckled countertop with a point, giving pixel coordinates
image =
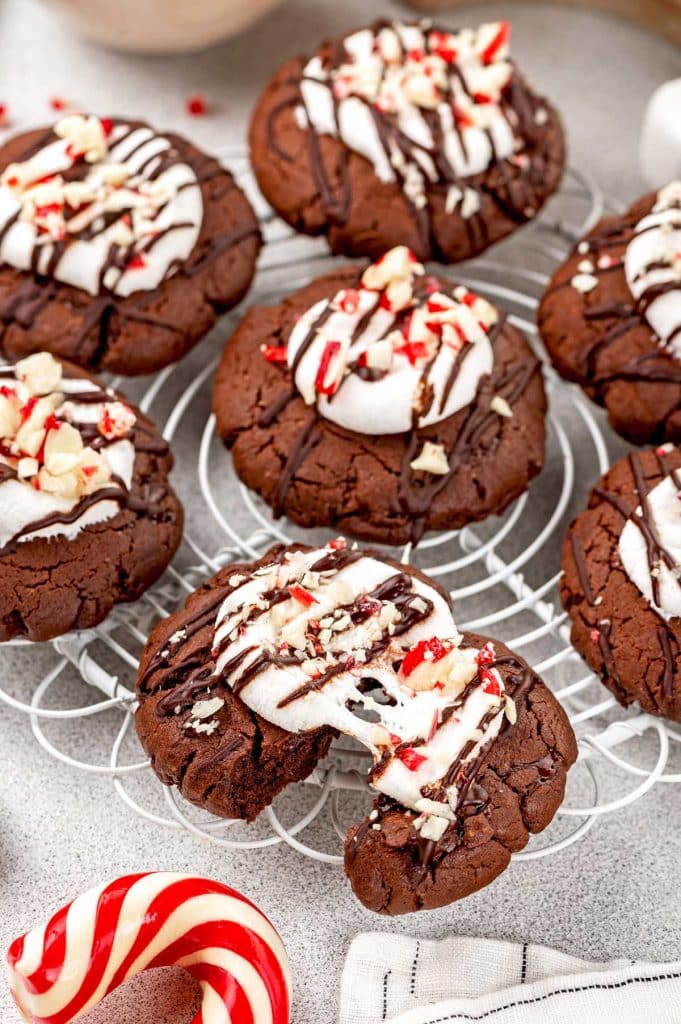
(616, 892)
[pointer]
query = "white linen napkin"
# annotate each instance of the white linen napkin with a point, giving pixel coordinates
(414, 981)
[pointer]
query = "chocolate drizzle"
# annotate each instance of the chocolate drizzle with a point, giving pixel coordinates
(480, 427)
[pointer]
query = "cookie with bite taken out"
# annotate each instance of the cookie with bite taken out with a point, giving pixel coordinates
(242, 691)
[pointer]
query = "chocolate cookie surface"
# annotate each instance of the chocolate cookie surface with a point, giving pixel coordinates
(611, 318)
(382, 401)
(119, 246)
(621, 560)
(87, 516)
(406, 134)
(241, 692)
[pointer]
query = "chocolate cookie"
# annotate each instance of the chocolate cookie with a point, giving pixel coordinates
(87, 517)
(407, 134)
(622, 562)
(119, 247)
(241, 692)
(611, 318)
(384, 402)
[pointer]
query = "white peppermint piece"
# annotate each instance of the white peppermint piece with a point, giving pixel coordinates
(431, 459)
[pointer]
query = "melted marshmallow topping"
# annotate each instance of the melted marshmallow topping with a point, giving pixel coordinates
(396, 93)
(398, 351)
(66, 453)
(332, 637)
(101, 206)
(650, 546)
(652, 265)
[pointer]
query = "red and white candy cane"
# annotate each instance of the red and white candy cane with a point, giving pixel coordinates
(60, 970)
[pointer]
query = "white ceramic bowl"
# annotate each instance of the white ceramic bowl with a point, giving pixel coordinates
(163, 26)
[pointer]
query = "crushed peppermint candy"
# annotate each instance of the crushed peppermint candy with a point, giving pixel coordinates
(501, 406)
(196, 105)
(431, 459)
(38, 439)
(584, 282)
(207, 708)
(371, 356)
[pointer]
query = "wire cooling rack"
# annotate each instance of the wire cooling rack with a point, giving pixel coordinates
(502, 576)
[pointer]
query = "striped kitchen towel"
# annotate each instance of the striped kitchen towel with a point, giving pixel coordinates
(413, 981)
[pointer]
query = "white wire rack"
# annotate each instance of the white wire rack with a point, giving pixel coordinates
(502, 576)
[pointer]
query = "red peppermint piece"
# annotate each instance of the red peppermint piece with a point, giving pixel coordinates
(395, 739)
(45, 211)
(441, 46)
(411, 758)
(461, 335)
(274, 353)
(137, 262)
(338, 544)
(368, 606)
(12, 182)
(461, 117)
(51, 423)
(57, 103)
(107, 125)
(500, 39)
(28, 408)
(425, 650)
(481, 97)
(7, 392)
(302, 595)
(196, 105)
(485, 655)
(490, 683)
(595, 635)
(435, 307)
(413, 350)
(4, 119)
(434, 724)
(415, 55)
(348, 300)
(331, 350)
(89, 470)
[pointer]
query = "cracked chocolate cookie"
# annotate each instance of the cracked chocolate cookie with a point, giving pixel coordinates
(611, 317)
(382, 401)
(406, 134)
(119, 247)
(87, 516)
(622, 563)
(241, 692)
